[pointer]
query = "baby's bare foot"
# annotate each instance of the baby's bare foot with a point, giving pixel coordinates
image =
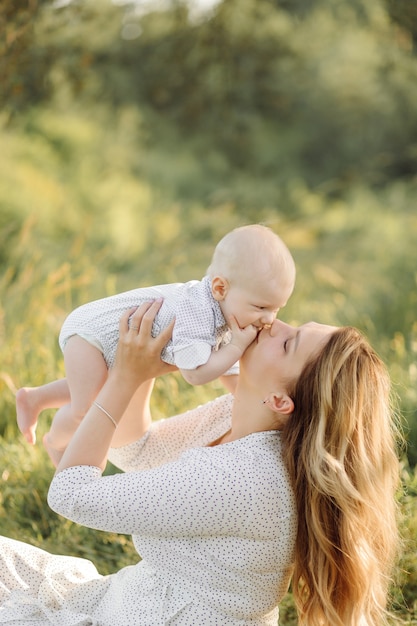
(54, 454)
(27, 413)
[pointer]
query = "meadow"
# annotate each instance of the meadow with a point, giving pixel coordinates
(125, 158)
(35, 299)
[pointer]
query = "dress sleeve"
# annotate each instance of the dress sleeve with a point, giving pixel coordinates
(194, 496)
(168, 438)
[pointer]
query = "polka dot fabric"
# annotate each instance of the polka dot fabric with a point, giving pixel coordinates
(215, 527)
(199, 323)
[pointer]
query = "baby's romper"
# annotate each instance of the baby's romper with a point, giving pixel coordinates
(200, 326)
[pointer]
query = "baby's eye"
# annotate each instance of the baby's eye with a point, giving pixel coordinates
(285, 345)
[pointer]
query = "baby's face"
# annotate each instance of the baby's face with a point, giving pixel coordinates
(256, 304)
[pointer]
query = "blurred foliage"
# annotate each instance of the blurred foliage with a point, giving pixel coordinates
(325, 90)
(405, 593)
(131, 142)
(404, 13)
(283, 93)
(23, 63)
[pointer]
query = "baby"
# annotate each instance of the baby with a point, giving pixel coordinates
(251, 276)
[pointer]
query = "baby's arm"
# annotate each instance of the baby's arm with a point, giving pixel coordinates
(223, 359)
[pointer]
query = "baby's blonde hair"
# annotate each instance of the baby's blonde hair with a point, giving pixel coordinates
(250, 250)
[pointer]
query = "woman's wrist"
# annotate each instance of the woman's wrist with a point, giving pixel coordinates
(106, 413)
(123, 381)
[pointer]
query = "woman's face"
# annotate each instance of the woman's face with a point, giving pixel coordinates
(279, 353)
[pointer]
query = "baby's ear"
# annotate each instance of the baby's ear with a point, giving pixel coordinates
(219, 287)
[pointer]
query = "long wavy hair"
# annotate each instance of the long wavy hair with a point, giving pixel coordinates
(341, 452)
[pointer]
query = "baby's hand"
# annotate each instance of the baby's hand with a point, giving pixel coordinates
(242, 337)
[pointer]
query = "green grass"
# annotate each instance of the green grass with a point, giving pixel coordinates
(78, 222)
(34, 300)
(96, 199)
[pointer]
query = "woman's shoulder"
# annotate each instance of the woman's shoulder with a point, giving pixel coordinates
(252, 465)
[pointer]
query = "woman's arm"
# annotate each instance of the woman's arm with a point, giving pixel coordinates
(206, 492)
(137, 361)
(136, 419)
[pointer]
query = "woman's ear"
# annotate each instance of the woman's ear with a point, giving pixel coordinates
(280, 403)
(219, 287)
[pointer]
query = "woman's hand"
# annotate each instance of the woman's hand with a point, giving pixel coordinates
(138, 354)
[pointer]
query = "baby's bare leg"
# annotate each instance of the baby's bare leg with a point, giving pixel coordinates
(31, 401)
(86, 374)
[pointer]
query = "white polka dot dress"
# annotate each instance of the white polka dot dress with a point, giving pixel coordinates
(199, 323)
(215, 528)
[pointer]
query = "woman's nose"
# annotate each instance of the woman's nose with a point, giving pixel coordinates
(278, 326)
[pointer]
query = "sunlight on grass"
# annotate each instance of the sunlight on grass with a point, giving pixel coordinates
(86, 212)
(35, 300)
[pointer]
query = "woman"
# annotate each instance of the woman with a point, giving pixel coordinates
(293, 477)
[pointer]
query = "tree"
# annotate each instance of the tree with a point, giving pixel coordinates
(404, 13)
(23, 64)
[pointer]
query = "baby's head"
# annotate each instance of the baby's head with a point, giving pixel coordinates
(252, 275)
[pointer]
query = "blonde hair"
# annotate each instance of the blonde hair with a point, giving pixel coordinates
(249, 249)
(340, 449)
